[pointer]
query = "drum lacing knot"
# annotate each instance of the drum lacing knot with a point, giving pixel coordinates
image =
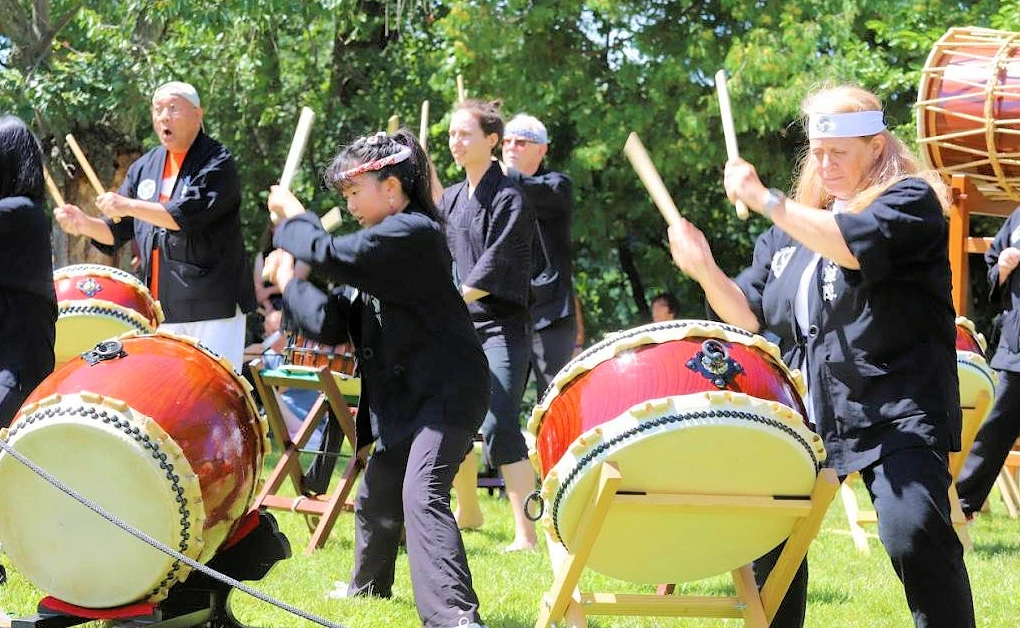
(106, 350)
(534, 497)
(713, 361)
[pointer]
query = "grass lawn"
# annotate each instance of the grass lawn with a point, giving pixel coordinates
(847, 589)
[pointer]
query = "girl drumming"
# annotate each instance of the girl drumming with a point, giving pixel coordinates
(425, 385)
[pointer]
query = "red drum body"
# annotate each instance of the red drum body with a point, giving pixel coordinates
(968, 338)
(681, 407)
(302, 351)
(968, 109)
(155, 430)
(97, 302)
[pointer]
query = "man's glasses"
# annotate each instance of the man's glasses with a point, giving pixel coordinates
(172, 110)
(516, 141)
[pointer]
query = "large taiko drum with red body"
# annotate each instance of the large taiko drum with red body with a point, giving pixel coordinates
(97, 302)
(154, 429)
(968, 109)
(682, 407)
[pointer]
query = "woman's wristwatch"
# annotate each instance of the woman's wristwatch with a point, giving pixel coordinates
(773, 199)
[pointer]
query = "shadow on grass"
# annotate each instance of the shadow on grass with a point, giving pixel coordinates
(997, 549)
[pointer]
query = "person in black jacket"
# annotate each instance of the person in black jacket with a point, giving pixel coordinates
(425, 381)
(1002, 427)
(28, 303)
(490, 231)
(180, 203)
(550, 194)
(853, 278)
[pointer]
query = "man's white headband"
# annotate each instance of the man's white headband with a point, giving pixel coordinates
(855, 124)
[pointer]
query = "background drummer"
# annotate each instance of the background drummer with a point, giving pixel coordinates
(28, 304)
(837, 285)
(1002, 427)
(180, 202)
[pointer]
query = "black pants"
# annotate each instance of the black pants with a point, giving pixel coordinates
(992, 444)
(551, 348)
(409, 484)
(910, 491)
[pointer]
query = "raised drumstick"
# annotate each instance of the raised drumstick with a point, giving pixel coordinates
(297, 146)
(86, 167)
(461, 94)
(728, 131)
(645, 169)
(423, 127)
(90, 174)
(51, 187)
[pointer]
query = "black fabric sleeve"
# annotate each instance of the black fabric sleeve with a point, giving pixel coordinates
(213, 193)
(322, 317)
(751, 280)
(1000, 242)
(902, 227)
(504, 267)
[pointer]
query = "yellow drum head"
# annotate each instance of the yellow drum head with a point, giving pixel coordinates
(712, 443)
(126, 464)
(81, 325)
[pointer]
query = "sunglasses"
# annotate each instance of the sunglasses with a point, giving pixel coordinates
(516, 141)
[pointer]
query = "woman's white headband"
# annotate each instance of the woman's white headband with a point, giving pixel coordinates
(854, 124)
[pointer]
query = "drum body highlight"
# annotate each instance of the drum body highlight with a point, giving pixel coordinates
(154, 429)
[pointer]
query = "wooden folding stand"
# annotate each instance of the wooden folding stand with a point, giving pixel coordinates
(564, 602)
(320, 511)
(858, 517)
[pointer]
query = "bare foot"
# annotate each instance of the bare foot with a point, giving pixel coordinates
(469, 521)
(520, 546)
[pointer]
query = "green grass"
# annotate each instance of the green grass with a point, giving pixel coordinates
(847, 589)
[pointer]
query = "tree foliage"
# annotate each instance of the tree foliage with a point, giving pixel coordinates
(594, 70)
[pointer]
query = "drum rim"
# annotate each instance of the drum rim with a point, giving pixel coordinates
(92, 307)
(634, 337)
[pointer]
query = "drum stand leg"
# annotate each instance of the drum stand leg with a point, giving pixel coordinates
(563, 602)
(200, 600)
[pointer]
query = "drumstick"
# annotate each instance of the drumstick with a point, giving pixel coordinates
(331, 219)
(297, 147)
(461, 95)
(728, 132)
(90, 174)
(645, 169)
(85, 166)
(51, 187)
(393, 124)
(423, 127)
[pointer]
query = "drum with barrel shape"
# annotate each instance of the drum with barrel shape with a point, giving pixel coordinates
(968, 116)
(154, 429)
(682, 407)
(303, 351)
(97, 302)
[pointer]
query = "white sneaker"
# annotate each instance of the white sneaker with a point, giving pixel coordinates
(339, 591)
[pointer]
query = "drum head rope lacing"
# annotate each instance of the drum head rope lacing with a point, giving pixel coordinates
(212, 573)
(994, 77)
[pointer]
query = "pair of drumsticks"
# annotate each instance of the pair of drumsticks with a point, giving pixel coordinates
(645, 169)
